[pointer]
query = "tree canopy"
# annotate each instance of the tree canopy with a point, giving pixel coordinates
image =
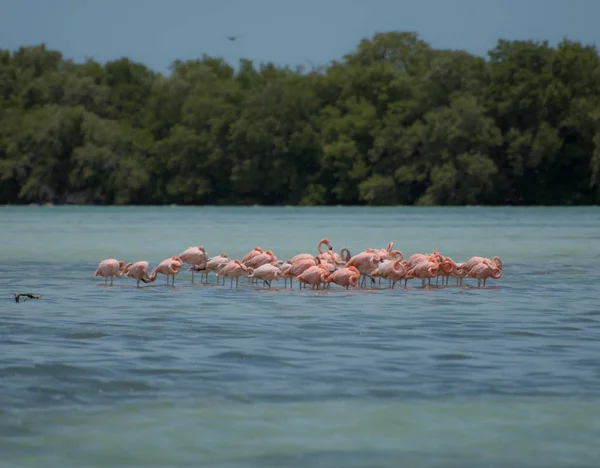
(393, 122)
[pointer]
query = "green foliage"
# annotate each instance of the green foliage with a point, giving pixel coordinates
(393, 122)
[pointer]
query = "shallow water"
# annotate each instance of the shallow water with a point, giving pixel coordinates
(200, 375)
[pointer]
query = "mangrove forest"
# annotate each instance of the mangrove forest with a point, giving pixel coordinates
(393, 122)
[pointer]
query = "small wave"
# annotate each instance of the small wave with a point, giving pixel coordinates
(453, 357)
(258, 358)
(120, 385)
(524, 333)
(86, 335)
(55, 370)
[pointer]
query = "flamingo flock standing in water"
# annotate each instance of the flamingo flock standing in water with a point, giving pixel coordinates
(317, 270)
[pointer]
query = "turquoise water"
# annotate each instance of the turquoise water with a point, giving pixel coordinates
(200, 375)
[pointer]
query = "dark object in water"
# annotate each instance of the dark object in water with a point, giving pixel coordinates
(25, 296)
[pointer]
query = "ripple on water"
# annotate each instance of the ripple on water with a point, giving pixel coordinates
(452, 357)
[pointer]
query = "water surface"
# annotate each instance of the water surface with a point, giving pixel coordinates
(200, 375)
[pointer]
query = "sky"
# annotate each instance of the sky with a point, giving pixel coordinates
(286, 32)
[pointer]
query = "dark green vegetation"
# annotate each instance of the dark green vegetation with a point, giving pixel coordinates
(395, 122)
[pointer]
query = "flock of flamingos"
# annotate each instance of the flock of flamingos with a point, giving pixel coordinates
(317, 271)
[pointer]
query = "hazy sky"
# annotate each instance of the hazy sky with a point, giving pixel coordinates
(156, 32)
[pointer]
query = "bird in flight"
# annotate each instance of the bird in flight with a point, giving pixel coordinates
(233, 38)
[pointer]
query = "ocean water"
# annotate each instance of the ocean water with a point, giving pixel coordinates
(205, 375)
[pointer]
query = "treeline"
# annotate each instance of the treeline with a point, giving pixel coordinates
(394, 122)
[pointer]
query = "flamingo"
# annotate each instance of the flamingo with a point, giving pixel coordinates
(196, 257)
(250, 255)
(297, 268)
(448, 267)
(493, 262)
(365, 262)
(234, 269)
(282, 267)
(345, 277)
(139, 272)
(169, 267)
(303, 256)
(315, 275)
(384, 254)
(392, 270)
(261, 259)
(399, 272)
(459, 273)
(342, 258)
(418, 258)
(109, 268)
(483, 271)
(267, 273)
(215, 264)
(425, 270)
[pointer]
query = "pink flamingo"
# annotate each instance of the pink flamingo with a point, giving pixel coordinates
(283, 266)
(365, 262)
(301, 256)
(448, 267)
(385, 254)
(109, 268)
(304, 256)
(483, 271)
(342, 258)
(139, 272)
(425, 270)
(345, 277)
(235, 269)
(392, 270)
(267, 273)
(261, 259)
(315, 275)
(299, 267)
(458, 273)
(169, 267)
(215, 264)
(399, 272)
(493, 262)
(419, 257)
(196, 257)
(250, 255)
